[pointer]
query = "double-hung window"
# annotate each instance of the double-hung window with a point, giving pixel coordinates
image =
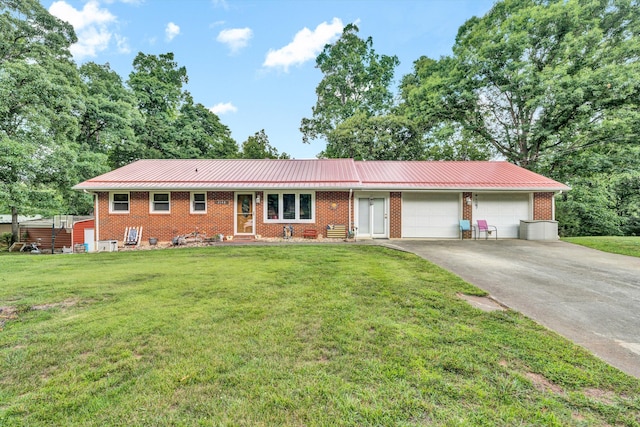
(160, 202)
(199, 203)
(119, 203)
(290, 207)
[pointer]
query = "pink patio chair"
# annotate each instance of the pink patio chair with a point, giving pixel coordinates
(487, 229)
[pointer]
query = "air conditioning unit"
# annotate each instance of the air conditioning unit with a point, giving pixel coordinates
(107, 246)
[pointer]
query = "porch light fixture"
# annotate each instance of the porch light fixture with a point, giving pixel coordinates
(468, 200)
(258, 199)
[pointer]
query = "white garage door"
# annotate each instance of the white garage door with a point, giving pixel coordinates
(502, 210)
(433, 215)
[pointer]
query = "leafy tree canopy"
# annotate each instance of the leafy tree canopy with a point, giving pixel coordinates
(111, 115)
(41, 101)
(363, 137)
(537, 78)
(356, 80)
(258, 147)
(200, 133)
(172, 125)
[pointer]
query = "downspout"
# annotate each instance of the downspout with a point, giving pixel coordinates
(96, 221)
(553, 206)
(350, 227)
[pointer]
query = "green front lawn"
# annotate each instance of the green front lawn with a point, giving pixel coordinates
(281, 335)
(627, 245)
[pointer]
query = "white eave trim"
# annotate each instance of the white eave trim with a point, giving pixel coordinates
(285, 186)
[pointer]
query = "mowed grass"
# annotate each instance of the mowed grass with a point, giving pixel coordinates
(623, 245)
(282, 335)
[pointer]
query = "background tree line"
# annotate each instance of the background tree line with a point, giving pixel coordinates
(550, 85)
(61, 124)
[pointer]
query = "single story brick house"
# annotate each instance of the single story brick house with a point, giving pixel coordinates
(377, 199)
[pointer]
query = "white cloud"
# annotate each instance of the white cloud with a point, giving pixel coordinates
(235, 38)
(91, 14)
(92, 26)
(221, 3)
(306, 45)
(223, 108)
(171, 31)
(122, 43)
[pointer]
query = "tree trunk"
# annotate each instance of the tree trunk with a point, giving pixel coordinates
(14, 225)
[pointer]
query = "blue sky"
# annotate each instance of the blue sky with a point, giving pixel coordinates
(253, 62)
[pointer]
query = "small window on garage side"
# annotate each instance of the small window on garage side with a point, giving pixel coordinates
(119, 203)
(198, 202)
(160, 202)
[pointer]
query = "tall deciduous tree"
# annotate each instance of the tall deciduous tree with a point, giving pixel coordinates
(536, 78)
(173, 125)
(41, 102)
(200, 134)
(111, 115)
(442, 137)
(157, 81)
(356, 80)
(258, 147)
(363, 137)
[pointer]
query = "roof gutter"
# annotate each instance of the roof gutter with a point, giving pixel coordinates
(319, 188)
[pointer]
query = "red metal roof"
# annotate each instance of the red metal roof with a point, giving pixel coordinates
(463, 175)
(227, 174)
(319, 174)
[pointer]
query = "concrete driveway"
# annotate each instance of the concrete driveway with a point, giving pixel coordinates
(590, 297)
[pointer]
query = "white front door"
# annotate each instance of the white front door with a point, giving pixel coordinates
(372, 217)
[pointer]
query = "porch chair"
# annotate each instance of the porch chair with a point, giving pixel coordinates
(132, 236)
(487, 229)
(465, 225)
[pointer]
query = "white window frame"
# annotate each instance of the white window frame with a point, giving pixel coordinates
(192, 203)
(111, 202)
(152, 206)
(280, 213)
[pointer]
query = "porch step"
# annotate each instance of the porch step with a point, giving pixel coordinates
(244, 238)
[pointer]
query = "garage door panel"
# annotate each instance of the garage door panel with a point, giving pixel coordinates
(502, 210)
(432, 215)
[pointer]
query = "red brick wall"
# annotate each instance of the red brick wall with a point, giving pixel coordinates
(467, 213)
(395, 215)
(218, 219)
(543, 206)
(332, 207)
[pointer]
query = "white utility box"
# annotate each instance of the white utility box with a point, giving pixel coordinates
(107, 246)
